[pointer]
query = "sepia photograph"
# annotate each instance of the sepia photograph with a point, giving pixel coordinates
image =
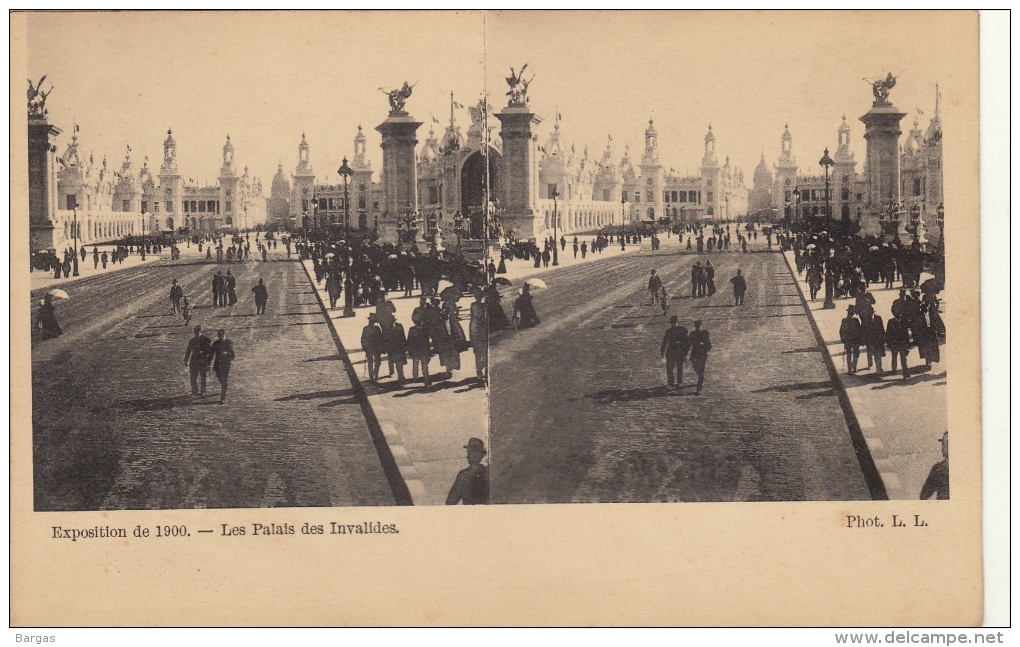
(344, 260)
(607, 288)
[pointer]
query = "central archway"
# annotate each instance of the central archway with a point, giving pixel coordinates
(472, 189)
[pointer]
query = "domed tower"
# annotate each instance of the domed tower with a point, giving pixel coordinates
(361, 182)
(304, 187)
(783, 198)
(230, 198)
(844, 170)
(171, 186)
(607, 181)
(552, 168)
(71, 177)
(651, 176)
(761, 188)
(127, 195)
(711, 176)
(279, 199)
(931, 151)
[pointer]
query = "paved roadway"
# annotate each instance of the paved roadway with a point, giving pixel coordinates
(580, 413)
(115, 426)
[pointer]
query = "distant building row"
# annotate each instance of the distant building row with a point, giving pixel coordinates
(801, 196)
(90, 203)
(456, 175)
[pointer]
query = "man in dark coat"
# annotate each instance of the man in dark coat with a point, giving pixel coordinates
(937, 482)
(654, 283)
(223, 355)
(700, 345)
(231, 284)
(739, 288)
(873, 338)
(674, 349)
(472, 483)
(372, 344)
(850, 335)
(196, 358)
(420, 351)
(261, 297)
(897, 338)
(396, 350)
(176, 293)
(217, 289)
(697, 280)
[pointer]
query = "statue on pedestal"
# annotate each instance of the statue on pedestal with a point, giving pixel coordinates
(399, 97)
(37, 98)
(518, 92)
(880, 89)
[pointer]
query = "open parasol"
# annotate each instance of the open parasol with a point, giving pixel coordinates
(537, 284)
(58, 294)
(502, 280)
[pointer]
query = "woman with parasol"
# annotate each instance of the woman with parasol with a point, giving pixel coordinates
(46, 318)
(524, 309)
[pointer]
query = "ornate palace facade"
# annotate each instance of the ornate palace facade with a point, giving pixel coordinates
(852, 195)
(456, 174)
(89, 202)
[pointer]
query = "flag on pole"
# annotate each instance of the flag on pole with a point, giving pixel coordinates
(458, 105)
(434, 120)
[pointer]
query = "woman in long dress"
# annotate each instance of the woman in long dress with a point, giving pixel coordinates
(525, 309)
(47, 318)
(452, 315)
(497, 318)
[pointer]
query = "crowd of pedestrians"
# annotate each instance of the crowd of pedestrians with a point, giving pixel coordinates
(847, 268)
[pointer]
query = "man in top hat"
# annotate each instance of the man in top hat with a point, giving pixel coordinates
(223, 355)
(700, 345)
(937, 482)
(654, 283)
(196, 358)
(673, 349)
(850, 335)
(261, 297)
(697, 280)
(471, 487)
(176, 292)
(372, 344)
(739, 288)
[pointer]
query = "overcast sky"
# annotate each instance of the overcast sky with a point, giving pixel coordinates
(265, 78)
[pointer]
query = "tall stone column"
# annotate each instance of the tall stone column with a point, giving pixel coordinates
(882, 133)
(517, 190)
(42, 183)
(400, 171)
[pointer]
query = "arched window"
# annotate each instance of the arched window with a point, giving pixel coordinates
(170, 224)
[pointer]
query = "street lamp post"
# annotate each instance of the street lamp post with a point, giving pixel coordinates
(826, 162)
(556, 237)
(74, 261)
(915, 221)
(345, 172)
(940, 249)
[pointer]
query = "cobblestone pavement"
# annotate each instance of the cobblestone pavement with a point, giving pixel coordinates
(114, 426)
(579, 410)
